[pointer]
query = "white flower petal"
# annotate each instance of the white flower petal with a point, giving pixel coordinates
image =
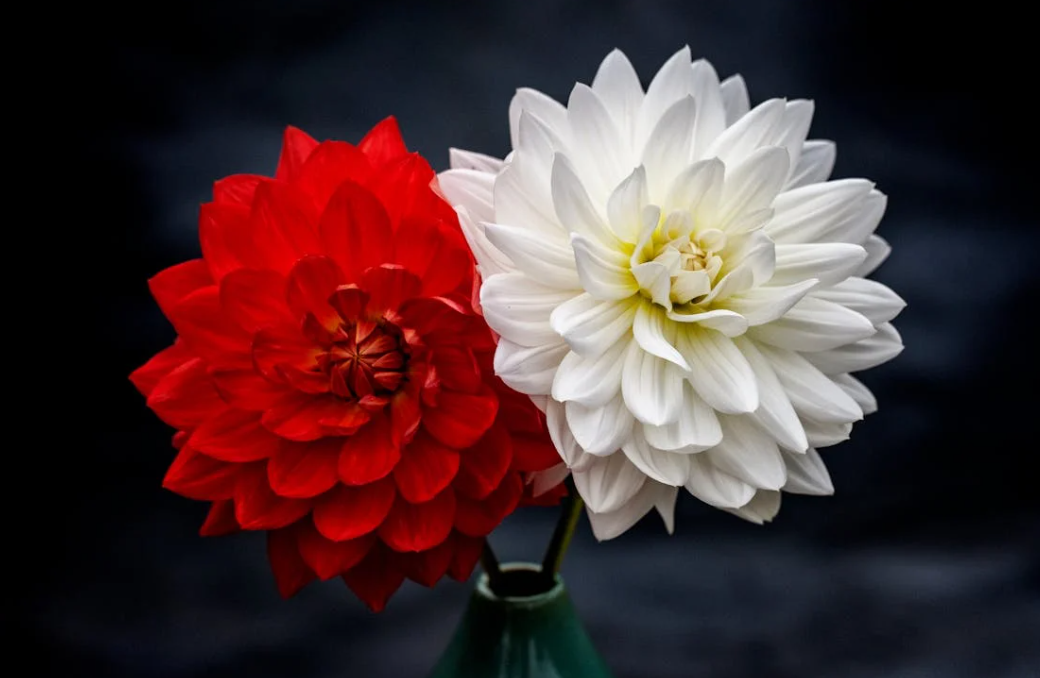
(825, 435)
(603, 429)
(471, 189)
(546, 109)
(664, 467)
(490, 259)
(617, 85)
(533, 160)
(556, 423)
(649, 330)
(671, 83)
(608, 483)
(625, 206)
(729, 323)
(878, 250)
(550, 263)
(761, 509)
(695, 430)
(592, 381)
(519, 309)
(604, 273)
(760, 305)
(529, 369)
(875, 301)
(827, 262)
(688, 285)
(667, 151)
(755, 254)
(813, 213)
(749, 133)
(814, 165)
(590, 326)
(793, 128)
(751, 186)
(460, 159)
(858, 391)
(862, 225)
(573, 207)
(543, 481)
(748, 453)
(714, 486)
(775, 414)
(656, 278)
(735, 98)
(612, 524)
(603, 157)
(665, 504)
(719, 372)
(862, 355)
(697, 189)
(814, 325)
(812, 393)
(520, 201)
(652, 387)
(711, 112)
(807, 474)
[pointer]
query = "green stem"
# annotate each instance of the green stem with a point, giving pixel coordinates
(562, 535)
(489, 562)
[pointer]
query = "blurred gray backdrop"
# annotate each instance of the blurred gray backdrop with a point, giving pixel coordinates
(925, 563)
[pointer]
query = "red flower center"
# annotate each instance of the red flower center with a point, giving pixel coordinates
(366, 358)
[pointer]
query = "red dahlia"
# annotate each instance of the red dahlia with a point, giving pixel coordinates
(331, 383)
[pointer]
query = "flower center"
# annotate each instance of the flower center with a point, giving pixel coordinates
(366, 358)
(679, 264)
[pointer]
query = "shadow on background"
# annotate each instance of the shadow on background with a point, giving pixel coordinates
(920, 566)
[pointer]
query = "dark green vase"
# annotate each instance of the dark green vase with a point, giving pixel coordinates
(537, 635)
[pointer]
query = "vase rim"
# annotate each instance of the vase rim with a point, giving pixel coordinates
(535, 600)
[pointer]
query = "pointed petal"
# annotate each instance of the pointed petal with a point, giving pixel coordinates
(519, 309)
(672, 82)
(297, 146)
(572, 205)
(875, 301)
(304, 470)
(590, 326)
(751, 186)
(355, 230)
(550, 263)
(649, 330)
(878, 250)
(858, 391)
(735, 98)
(482, 466)
(618, 87)
(625, 206)
(719, 372)
(761, 305)
(761, 509)
(460, 419)
(811, 392)
(592, 381)
(350, 512)
(814, 325)
(827, 262)
(529, 370)
(418, 527)
(862, 355)
(369, 455)
(775, 413)
(663, 466)
(291, 573)
(695, 430)
(604, 273)
(748, 453)
(652, 387)
(715, 487)
(235, 436)
(608, 483)
(600, 430)
(611, 524)
(383, 143)
(807, 474)
(603, 148)
(817, 212)
(668, 148)
(814, 165)
(470, 160)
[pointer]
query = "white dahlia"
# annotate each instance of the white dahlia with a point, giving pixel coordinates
(677, 283)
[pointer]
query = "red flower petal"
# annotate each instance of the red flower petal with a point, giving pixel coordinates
(485, 464)
(185, 397)
(403, 185)
(297, 146)
(330, 558)
(350, 512)
(220, 520)
(428, 567)
(436, 321)
(375, 578)
(237, 189)
(460, 419)
(349, 301)
(201, 322)
(221, 227)
(308, 287)
(283, 225)
(255, 299)
(355, 230)
(405, 414)
(331, 163)
(290, 571)
(465, 554)
(307, 381)
(369, 454)
(418, 527)
(173, 284)
(259, 508)
(162, 363)
(388, 286)
(301, 416)
(532, 452)
(235, 436)
(197, 476)
(479, 518)
(304, 469)
(425, 469)
(246, 389)
(439, 257)
(383, 143)
(456, 368)
(348, 420)
(276, 346)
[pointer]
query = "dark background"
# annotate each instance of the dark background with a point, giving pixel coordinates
(925, 564)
